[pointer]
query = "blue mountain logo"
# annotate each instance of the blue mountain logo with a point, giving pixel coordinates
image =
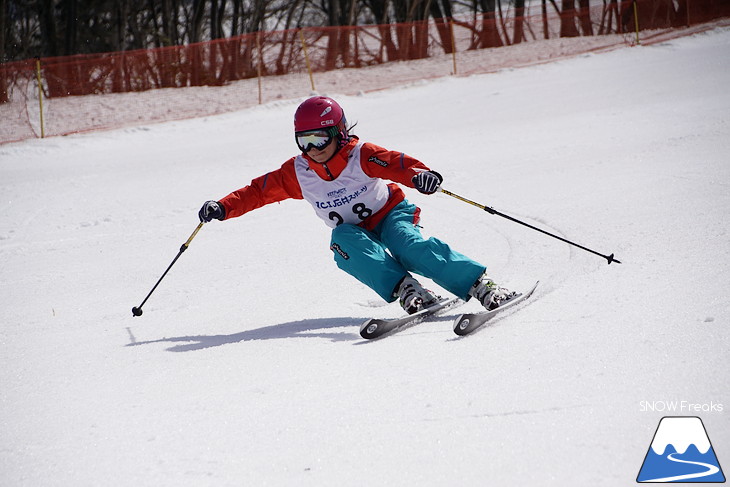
(681, 452)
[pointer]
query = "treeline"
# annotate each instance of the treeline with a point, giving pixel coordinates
(45, 28)
(49, 28)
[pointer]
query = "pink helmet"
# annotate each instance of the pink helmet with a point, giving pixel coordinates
(319, 112)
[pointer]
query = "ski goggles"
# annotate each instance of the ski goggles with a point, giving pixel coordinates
(319, 139)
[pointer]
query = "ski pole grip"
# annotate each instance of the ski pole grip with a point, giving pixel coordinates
(185, 246)
(489, 210)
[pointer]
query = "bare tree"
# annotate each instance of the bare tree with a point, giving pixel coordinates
(489, 33)
(49, 38)
(567, 19)
(518, 33)
(4, 95)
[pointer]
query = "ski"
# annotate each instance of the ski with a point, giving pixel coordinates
(469, 322)
(376, 328)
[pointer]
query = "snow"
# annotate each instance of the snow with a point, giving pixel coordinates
(247, 367)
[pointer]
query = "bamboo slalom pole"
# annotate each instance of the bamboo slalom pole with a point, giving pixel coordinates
(453, 44)
(306, 58)
(261, 60)
(40, 94)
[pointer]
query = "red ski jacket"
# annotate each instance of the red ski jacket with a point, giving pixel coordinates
(282, 183)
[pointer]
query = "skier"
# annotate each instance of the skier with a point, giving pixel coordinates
(375, 233)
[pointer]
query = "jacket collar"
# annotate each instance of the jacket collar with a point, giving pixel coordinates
(330, 170)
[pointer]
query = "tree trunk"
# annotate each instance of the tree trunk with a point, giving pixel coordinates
(519, 33)
(443, 23)
(567, 19)
(49, 41)
(120, 24)
(489, 34)
(585, 17)
(333, 35)
(197, 20)
(71, 11)
(196, 74)
(4, 95)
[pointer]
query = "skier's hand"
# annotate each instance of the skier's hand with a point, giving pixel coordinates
(210, 210)
(427, 182)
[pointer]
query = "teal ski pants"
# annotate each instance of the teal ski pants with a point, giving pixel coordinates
(381, 258)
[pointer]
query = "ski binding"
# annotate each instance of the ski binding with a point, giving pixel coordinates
(468, 322)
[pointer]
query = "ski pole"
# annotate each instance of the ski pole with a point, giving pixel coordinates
(137, 310)
(492, 211)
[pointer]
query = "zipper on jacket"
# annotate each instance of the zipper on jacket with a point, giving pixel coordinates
(327, 169)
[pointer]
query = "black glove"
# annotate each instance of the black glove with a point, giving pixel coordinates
(210, 210)
(427, 182)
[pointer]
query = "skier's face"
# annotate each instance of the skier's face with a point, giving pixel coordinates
(323, 155)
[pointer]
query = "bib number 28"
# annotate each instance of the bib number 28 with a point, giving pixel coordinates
(359, 209)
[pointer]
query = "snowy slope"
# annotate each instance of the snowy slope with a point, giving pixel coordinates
(247, 367)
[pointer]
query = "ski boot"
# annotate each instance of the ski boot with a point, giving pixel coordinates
(413, 297)
(490, 294)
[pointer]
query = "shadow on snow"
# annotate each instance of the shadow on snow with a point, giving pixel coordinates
(315, 328)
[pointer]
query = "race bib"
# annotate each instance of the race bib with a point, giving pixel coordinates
(351, 198)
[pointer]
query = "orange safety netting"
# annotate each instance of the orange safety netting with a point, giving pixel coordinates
(265, 66)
